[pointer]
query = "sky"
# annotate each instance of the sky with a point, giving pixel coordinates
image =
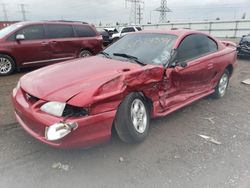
(112, 11)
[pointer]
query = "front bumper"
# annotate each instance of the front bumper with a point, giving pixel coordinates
(91, 130)
(243, 50)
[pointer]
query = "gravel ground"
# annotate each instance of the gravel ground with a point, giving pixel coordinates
(173, 155)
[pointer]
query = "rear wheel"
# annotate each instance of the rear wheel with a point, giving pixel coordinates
(222, 86)
(132, 119)
(7, 65)
(85, 53)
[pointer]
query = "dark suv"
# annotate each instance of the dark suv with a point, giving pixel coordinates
(29, 44)
(244, 46)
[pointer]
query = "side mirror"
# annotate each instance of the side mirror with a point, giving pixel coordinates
(20, 37)
(182, 64)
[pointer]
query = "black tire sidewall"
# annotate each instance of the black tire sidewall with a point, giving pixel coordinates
(85, 51)
(13, 65)
(124, 121)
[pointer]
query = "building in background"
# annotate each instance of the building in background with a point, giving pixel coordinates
(6, 23)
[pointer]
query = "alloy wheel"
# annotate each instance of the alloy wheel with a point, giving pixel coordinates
(223, 84)
(139, 116)
(5, 65)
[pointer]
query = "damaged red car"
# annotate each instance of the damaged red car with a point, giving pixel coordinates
(142, 76)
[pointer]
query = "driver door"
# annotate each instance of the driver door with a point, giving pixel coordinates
(34, 48)
(190, 81)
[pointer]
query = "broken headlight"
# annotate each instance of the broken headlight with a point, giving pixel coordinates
(63, 110)
(54, 108)
(73, 111)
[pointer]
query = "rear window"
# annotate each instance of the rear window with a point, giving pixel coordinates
(84, 31)
(60, 31)
(128, 30)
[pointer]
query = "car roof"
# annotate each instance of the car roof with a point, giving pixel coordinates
(52, 22)
(177, 32)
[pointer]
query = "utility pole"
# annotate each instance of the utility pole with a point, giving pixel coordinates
(140, 14)
(163, 9)
(135, 11)
(23, 11)
(4, 11)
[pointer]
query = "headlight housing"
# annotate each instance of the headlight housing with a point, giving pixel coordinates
(60, 109)
(54, 108)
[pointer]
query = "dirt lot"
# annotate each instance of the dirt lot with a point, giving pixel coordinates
(171, 156)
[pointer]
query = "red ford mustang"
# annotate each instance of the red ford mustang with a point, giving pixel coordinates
(144, 75)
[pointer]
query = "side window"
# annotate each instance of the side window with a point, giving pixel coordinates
(128, 30)
(194, 46)
(84, 31)
(34, 32)
(187, 49)
(60, 31)
(212, 45)
(206, 45)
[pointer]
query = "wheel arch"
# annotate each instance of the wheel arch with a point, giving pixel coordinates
(148, 101)
(230, 69)
(12, 57)
(8, 54)
(88, 49)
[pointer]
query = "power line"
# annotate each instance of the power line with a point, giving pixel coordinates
(4, 11)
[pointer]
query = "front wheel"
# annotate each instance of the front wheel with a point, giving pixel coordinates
(85, 53)
(7, 65)
(132, 119)
(222, 86)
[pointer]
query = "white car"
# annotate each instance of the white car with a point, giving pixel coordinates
(124, 31)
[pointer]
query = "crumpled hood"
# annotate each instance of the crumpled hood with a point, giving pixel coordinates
(61, 82)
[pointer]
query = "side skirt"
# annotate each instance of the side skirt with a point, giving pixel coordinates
(179, 106)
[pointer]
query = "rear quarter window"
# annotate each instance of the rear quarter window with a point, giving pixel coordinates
(212, 45)
(84, 31)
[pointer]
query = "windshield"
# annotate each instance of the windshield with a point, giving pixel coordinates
(5, 31)
(148, 48)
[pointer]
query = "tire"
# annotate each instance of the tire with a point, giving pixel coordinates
(7, 65)
(132, 125)
(222, 85)
(85, 53)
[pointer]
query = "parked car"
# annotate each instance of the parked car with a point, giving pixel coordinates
(111, 31)
(28, 44)
(142, 76)
(124, 31)
(106, 37)
(244, 46)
